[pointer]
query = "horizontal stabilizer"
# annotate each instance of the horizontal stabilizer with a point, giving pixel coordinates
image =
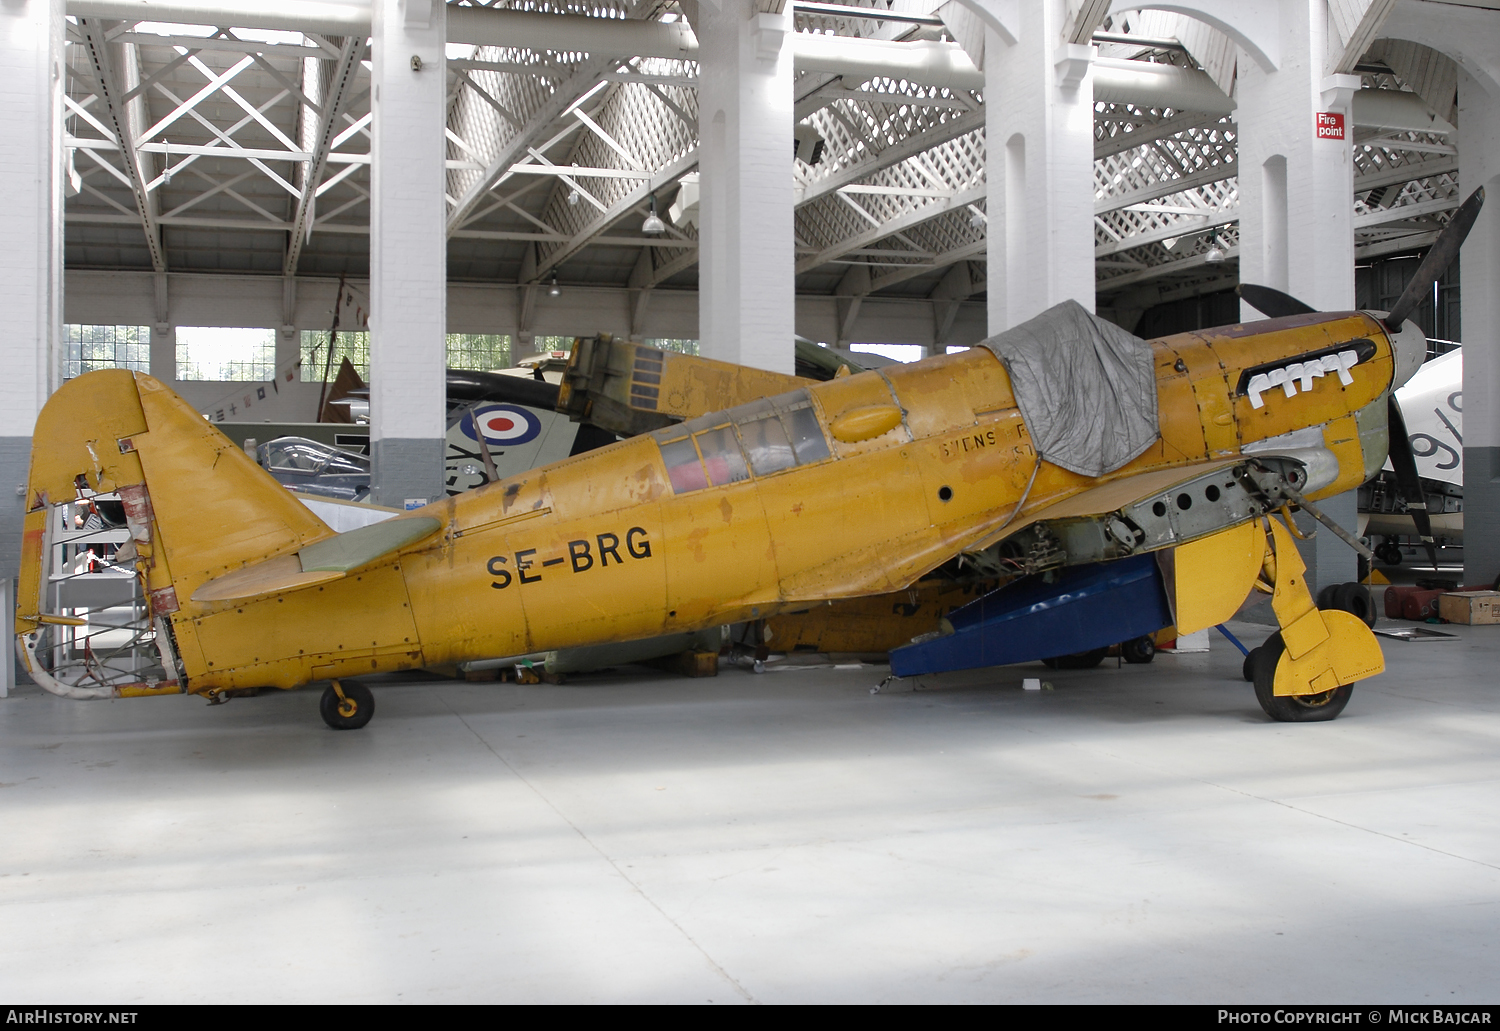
(361, 547)
(274, 576)
(320, 562)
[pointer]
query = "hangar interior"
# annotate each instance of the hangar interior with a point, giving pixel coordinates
(201, 189)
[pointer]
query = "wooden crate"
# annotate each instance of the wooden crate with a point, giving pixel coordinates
(1472, 607)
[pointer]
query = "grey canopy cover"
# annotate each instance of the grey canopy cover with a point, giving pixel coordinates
(1085, 387)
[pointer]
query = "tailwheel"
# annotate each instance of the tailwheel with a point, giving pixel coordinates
(1305, 708)
(1139, 649)
(346, 706)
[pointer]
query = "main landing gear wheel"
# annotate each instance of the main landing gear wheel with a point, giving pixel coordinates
(1139, 649)
(346, 706)
(1390, 553)
(1313, 708)
(1078, 660)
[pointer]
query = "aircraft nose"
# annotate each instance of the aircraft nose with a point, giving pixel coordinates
(1409, 347)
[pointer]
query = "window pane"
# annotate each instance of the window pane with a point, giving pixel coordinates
(807, 435)
(722, 457)
(226, 354)
(683, 467)
(484, 352)
(106, 347)
(354, 346)
(679, 344)
(767, 445)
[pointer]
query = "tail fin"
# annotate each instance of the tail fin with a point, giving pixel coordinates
(196, 505)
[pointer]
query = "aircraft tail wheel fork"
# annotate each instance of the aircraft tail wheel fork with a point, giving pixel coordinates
(346, 706)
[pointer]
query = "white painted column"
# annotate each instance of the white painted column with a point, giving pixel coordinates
(408, 251)
(1296, 212)
(746, 284)
(1039, 130)
(31, 180)
(1479, 165)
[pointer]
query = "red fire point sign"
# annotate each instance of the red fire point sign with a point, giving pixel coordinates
(1330, 125)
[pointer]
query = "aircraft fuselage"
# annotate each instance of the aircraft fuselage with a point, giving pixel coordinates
(851, 487)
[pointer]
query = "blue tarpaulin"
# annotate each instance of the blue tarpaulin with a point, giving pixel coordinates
(1083, 608)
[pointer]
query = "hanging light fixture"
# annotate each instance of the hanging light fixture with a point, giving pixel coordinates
(1215, 252)
(653, 224)
(573, 198)
(553, 290)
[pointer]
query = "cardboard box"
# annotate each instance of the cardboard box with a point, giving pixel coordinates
(1472, 607)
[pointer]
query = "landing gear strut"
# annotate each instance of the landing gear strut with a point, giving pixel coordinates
(1305, 671)
(346, 706)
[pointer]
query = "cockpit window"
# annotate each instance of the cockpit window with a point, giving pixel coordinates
(776, 433)
(807, 436)
(296, 456)
(767, 445)
(721, 456)
(683, 467)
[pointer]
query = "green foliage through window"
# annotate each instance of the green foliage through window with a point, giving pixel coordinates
(673, 344)
(541, 344)
(354, 346)
(485, 352)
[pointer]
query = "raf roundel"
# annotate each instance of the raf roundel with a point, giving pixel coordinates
(507, 425)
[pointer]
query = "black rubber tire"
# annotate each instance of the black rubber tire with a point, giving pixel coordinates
(1292, 708)
(1354, 598)
(1325, 596)
(1138, 650)
(1247, 670)
(364, 707)
(1390, 553)
(1078, 660)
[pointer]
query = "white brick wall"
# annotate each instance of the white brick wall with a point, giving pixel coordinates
(408, 237)
(30, 180)
(1479, 165)
(1277, 118)
(745, 155)
(1040, 155)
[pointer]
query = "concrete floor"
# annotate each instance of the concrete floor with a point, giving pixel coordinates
(1135, 834)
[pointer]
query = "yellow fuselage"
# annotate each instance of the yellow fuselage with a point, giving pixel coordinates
(601, 547)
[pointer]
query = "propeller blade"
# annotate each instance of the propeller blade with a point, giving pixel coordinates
(1272, 303)
(1443, 251)
(1407, 481)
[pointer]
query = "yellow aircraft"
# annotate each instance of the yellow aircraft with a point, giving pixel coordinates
(1065, 444)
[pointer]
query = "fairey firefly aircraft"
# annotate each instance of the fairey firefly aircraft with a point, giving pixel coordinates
(1097, 465)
